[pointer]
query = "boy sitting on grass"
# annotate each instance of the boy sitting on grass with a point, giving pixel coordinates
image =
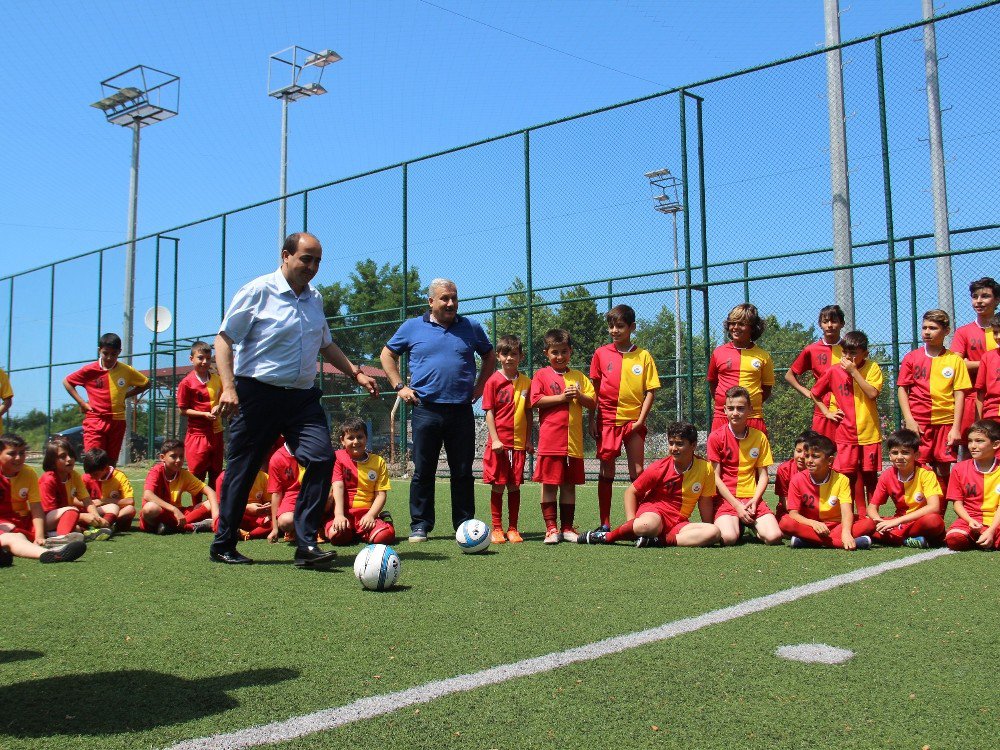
(110, 486)
(166, 483)
(358, 492)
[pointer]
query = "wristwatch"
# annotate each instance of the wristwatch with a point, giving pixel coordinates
(398, 387)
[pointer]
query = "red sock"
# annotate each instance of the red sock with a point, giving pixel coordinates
(549, 516)
(624, 531)
(197, 513)
(566, 512)
(604, 487)
(513, 507)
(792, 527)
(496, 507)
(67, 521)
(110, 517)
(123, 523)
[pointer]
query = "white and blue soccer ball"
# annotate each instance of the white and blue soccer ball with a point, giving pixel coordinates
(377, 567)
(473, 536)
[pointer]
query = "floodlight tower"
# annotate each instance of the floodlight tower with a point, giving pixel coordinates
(666, 191)
(287, 74)
(136, 98)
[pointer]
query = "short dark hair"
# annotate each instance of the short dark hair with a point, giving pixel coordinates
(986, 282)
(353, 424)
(12, 440)
(938, 316)
(805, 436)
(509, 343)
(821, 443)
(94, 460)
(903, 439)
(683, 430)
(557, 336)
(110, 341)
(200, 346)
(986, 427)
(171, 444)
(738, 391)
(854, 340)
(52, 449)
(832, 312)
(620, 314)
(747, 313)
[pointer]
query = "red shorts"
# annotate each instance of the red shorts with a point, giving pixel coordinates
(503, 467)
(204, 454)
(613, 436)
(558, 470)
(756, 422)
(382, 532)
(854, 458)
(251, 521)
(19, 527)
(934, 445)
(670, 520)
(287, 504)
(104, 433)
(961, 527)
(721, 508)
(824, 426)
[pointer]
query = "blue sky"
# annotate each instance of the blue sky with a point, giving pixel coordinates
(419, 77)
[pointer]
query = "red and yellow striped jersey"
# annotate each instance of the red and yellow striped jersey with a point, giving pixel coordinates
(819, 502)
(978, 491)
(988, 384)
(199, 396)
(752, 368)
(18, 493)
(258, 490)
(56, 494)
(172, 488)
(5, 391)
(362, 479)
(111, 487)
(907, 495)
(860, 425)
(972, 341)
(560, 427)
(508, 400)
(661, 483)
(931, 383)
(622, 380)
(739, 458)
(106, 389)
(817, 358)
(699, 482)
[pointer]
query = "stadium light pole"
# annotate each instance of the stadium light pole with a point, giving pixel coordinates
(134, 99)
(293, 65)
(666, 200)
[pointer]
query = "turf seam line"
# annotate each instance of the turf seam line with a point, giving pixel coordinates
(380, 705)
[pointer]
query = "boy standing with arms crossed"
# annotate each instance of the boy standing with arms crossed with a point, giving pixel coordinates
(625, 379)
(560, 394)
(198, 400)
(817, 358)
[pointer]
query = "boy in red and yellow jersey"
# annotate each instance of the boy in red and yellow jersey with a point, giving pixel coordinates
(817, 358)
(740, 455)
(358, 492)
(916, 493)
(560, 394)
(742, 363)
(974, 487)
(625, 379)
(66, 499)
(855, 383)
(786, 471)
(108, 383)
(284, 479)
(198, 400)
(820, 509)
(974, 340)
(166, 482)
(508, 419)
(659, 503)
(256, 523)
(988, 380)
(6, 396)
(110, 486)
(932, 386)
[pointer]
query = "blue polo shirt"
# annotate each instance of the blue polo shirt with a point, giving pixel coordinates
(442, 360)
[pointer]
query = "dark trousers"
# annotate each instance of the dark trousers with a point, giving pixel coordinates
(267, 411)
(452, 426)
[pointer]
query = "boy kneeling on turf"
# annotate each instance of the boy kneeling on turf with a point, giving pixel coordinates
(820, 507)
(358, 492)
(165, 486)
(974, 487)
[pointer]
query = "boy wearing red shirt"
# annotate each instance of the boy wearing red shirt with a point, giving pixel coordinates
(974, 487)
(817, 358)
(66, 499)
(560, 394)
(166, 483)
(742, 363)
(786, 471)
(108, 383)
(974, 340)
(284, 479)
(110, 486)
(508, 419)
(198, 400)
(358, 492)
(988, 379)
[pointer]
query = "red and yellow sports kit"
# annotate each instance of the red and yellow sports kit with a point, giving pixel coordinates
(508, 401)
(17, 494)
(988, 385)
(979, 492)
(621, 380)
(560, 427)
(104, 424)
(171, 488)
(931, 383)
(751, 368)
(55, 494)
(284, 476)
(973, 342)
(782, 479)
(203, 448)
(739, 459)
(112, 486)
(5, 392)
(660, 490)
(817, 358)
(821, 502)
(362, 481)
(253, 525)
(909, 494)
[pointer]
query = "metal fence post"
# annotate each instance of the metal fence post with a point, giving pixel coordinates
(52, 327)
(404, 360)
(222, 277)
(913, 292)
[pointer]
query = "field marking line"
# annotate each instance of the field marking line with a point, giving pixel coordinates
(379, 705)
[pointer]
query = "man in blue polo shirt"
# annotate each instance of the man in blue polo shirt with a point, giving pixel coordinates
(442, 346)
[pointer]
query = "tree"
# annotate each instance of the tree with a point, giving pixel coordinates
(513, 319)
(585, 324)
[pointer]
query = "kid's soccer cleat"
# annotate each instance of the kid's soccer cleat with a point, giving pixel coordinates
(917, 542)
(101, 534)
(197, 527)
(593, 537)
(797, 542)
(570, 534)
(66, 553)
(6, 559)
(63, 539)
(497, 536)
(647, 541)
(863, 542)
(552, 536)
(603, 527)
(514, 536)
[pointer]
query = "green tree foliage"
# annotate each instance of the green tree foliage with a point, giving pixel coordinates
(579, 315)
(514, 320)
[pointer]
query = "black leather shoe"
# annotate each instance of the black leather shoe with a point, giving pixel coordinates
(313, 557)
(229, 557)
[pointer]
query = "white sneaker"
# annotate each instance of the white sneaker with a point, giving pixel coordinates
(552, 537)
(62, 539)
(570, 535)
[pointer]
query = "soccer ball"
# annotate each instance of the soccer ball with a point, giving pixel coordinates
(377, 567)
(473, 536)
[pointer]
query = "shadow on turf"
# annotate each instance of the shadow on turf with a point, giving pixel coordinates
(417, 555)
(6, 657)
(143, 700)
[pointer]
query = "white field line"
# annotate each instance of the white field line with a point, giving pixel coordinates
(379, 705)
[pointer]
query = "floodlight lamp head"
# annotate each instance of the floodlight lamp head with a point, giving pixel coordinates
(322, 59)
(657, 173)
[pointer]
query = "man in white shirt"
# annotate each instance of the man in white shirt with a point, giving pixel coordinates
(266, 353)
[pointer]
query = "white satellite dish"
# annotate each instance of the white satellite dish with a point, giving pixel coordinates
(160, 316)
